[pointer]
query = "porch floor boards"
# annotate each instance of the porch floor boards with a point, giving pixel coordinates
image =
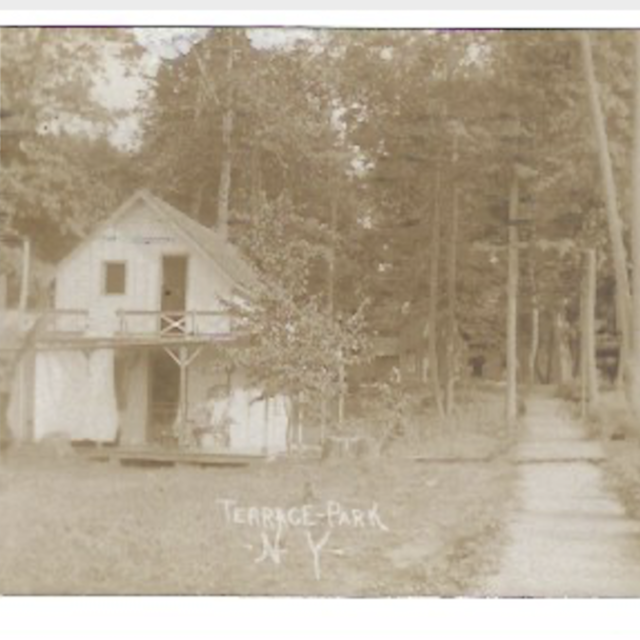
(150, 456)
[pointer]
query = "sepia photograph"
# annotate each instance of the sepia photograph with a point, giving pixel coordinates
(303, 311)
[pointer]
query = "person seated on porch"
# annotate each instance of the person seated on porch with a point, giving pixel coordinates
(213, 422)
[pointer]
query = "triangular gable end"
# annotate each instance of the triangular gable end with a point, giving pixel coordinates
(156, 205)
(225, 255)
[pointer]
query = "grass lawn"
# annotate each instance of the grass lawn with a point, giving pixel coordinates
(70, 526)
(623, 471)
(619, 430)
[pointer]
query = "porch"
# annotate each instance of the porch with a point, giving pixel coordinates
(137, 325)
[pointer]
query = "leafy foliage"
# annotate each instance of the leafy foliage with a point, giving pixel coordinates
(297, 344)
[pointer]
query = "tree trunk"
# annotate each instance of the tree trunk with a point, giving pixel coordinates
(434, 374)
(534, 346)
(256, 178)
(331, 295)
(342, 376)
(224, 189)
(25, 277)
(635, 237)
(584, 350)
(452, 325)
(611, 202)
(551, 348)
(535, 342)
(588, 352)
(451, 354)
(331, 275)
(3, 277)
(561, 356)
(323, 417)
(197, 202)
(300, 425)
(512, 307)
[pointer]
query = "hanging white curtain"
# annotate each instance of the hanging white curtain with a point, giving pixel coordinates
(75, 395)
(101, 421)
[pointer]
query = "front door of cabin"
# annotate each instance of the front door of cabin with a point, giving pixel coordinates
(173, 294)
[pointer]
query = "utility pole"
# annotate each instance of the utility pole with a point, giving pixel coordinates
(512, 304)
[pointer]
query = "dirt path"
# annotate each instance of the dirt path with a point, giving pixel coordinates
(567, 534)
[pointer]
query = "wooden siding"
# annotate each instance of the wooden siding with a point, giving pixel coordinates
(140, 240)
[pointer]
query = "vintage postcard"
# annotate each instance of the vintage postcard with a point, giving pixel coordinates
(298, 311)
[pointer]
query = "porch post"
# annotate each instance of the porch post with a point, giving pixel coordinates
(184, 400)
(183, 360)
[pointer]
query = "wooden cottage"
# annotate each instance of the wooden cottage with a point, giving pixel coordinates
(127, 353)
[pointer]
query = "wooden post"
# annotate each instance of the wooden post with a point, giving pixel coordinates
(183, 360)
(512, 306)
(184, 391)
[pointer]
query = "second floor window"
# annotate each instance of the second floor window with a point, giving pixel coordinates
(115, 278)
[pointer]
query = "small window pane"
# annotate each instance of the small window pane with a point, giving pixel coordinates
(115, 276)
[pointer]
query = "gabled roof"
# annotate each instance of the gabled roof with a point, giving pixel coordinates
(225, 254)
(226, 257)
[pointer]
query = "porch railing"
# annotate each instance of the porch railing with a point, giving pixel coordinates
(174, 323)
(64, 321)
(139, 323)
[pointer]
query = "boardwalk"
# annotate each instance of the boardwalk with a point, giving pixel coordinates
(567, 534)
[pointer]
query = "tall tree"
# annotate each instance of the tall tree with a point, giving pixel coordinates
(434, 287)
(61, 174)
(635, 231)
(611, 201)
